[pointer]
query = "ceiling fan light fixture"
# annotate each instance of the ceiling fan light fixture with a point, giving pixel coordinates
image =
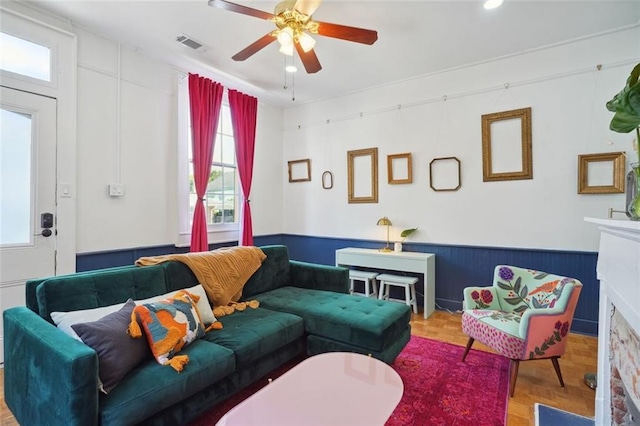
(291, 68)
(492, 4)
(285, 36)
(306, 42)
(286, 49)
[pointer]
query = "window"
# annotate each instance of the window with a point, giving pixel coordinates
(15, 178)
(221, 198)
(25, 58)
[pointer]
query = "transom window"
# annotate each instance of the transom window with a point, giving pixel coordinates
(221, 197)
(23, 57)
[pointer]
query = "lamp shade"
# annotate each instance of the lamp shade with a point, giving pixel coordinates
(286, 49)
(306, 42)
(285, 36)
(384, 221)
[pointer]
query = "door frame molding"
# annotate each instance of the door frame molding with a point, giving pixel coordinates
(21, 20)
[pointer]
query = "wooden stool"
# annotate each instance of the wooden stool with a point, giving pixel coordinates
(369, 279)
(409, 284)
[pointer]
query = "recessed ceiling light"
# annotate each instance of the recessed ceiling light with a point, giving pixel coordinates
(291, 68)
(492, 4)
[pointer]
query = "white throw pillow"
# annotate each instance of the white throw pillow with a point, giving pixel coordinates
(64, 320)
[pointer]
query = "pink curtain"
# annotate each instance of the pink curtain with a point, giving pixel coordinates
(205, 98)
(244, 111)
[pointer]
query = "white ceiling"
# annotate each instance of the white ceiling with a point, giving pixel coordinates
(414, 37)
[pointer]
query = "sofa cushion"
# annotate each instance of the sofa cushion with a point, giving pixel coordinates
(101, 288)
(150, 387)
(368, 323)
(254, 333)
(274, 272)
(117, 352)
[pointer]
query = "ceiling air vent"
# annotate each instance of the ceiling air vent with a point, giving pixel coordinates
(189, 42)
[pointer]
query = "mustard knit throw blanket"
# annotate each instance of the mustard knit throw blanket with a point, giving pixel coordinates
(222, 272)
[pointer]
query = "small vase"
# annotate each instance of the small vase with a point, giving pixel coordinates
(633, 192)
(397, 247)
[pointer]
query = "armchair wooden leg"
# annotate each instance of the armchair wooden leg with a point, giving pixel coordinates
(556, 365)
(469, 344)
(513, 371)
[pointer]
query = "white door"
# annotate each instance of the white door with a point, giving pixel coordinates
(27, 194)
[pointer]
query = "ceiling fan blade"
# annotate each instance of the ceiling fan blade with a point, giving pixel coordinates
(254, 47)
(307, 6)
(232, 7)
(309, 60)
(359, 35)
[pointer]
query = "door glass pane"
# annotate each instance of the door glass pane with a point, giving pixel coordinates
(15, 178)
(24, 57)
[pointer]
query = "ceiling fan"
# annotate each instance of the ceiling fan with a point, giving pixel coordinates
(293, 19)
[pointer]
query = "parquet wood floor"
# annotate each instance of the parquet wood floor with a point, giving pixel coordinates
(537, 381)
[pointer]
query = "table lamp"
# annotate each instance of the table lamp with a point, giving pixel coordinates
(385, 222)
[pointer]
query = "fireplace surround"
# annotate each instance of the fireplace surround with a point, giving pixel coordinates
(618, 269)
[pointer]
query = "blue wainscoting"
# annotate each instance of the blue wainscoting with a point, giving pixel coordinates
(123, 257)
(457, 267)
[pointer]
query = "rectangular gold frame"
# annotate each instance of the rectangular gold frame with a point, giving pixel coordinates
(306, 178)
(351, 156)
(390, 178)
(526, 171)
(618, 179)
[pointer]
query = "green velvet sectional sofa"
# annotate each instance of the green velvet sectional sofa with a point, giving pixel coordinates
(52, 379)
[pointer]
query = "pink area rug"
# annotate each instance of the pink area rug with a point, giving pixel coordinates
(439, 389)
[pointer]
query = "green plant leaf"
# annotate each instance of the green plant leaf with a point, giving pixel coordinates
(407, 232)
(516, 286)
(540, 276)
(626, 105)
(623, 122)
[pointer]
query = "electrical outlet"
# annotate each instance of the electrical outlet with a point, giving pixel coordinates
(116, 189)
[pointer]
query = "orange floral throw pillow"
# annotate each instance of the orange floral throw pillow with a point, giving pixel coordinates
(169, 325)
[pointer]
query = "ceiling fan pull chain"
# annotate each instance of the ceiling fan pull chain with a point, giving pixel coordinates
(284, 69)
(293, 87)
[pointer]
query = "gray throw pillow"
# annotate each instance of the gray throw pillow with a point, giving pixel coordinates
(118, 353)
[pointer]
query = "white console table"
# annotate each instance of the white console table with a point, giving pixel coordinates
(423, 263)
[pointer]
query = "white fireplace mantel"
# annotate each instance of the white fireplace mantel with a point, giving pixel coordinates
(618, 270)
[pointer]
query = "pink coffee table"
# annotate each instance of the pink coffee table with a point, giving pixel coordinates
(335, 388)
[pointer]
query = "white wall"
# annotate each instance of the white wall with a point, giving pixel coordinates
(144, 155)
(568, 118)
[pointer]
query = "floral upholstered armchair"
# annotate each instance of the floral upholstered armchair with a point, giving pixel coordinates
(525, 315)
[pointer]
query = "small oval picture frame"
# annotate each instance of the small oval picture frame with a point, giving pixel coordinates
(327, 180)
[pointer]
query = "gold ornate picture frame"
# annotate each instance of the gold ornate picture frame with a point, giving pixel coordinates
(601, 173)
(299, 170)
(399, 169)
(362, 173)
(502, 134)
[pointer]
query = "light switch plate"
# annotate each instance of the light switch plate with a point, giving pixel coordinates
(116, 189)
